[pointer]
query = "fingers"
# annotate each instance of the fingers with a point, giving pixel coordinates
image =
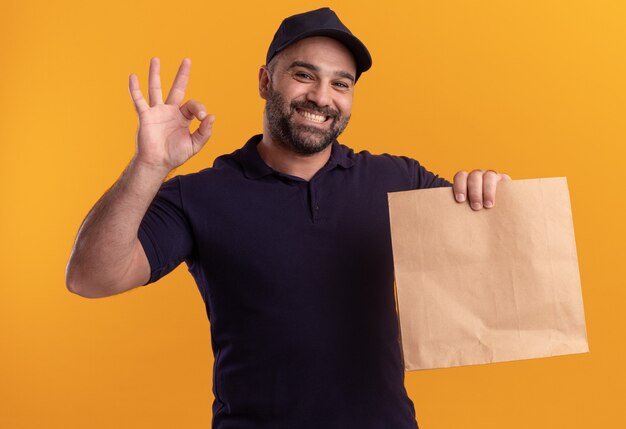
(460, 186)
(154, 82)
(193, 109)
(135, 93)
(203, 133)
(177, 92)
(475, 189)
(469, 187)
(478, 187)
(490, 181)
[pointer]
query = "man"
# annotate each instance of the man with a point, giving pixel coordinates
(287, 238)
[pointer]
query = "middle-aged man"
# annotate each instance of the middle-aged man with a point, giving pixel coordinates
(287, 238)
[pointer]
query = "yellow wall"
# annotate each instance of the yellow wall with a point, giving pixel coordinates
(535, 88)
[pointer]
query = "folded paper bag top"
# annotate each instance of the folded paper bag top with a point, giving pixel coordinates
(493, 285)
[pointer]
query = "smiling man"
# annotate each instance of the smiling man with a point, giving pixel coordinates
(287, 239)
(315, 115)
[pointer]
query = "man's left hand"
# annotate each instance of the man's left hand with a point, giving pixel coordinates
(477, 187)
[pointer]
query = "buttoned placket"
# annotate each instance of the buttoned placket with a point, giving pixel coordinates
(315, 191)
(310, 191)
(313, 188)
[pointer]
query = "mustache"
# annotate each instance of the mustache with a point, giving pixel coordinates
(310, 105)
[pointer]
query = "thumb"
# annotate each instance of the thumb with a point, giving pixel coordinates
(202, 134)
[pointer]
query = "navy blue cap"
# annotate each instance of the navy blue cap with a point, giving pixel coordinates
(319, 22)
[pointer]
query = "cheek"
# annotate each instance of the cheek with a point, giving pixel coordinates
(294, 90)
(346, 108)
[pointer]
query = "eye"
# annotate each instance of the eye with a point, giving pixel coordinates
(342, 85)
(303, 75)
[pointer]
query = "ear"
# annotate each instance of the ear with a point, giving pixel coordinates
(264, 82)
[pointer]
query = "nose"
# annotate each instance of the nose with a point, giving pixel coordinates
(320, 94)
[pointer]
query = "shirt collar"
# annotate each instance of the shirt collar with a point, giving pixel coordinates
(254, 167)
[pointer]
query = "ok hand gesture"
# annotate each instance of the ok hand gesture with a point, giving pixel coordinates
(163, 138)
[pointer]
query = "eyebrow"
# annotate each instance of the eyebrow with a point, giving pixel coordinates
(315, 68)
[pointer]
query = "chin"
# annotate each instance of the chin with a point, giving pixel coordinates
(304, 147)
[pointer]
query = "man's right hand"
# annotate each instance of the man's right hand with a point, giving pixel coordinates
(163, 138)
(107, 257)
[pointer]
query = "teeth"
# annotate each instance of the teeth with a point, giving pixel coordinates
(312, 116)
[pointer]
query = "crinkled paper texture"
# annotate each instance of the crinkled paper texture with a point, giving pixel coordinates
(493, 285)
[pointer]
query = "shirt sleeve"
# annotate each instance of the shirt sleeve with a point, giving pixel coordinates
(165, 232)
(422, 178)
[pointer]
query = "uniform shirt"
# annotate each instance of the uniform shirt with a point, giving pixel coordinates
(297, 279)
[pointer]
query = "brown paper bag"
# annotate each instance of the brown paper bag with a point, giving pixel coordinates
(494, 285)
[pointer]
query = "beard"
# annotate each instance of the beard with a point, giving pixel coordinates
(299, 138)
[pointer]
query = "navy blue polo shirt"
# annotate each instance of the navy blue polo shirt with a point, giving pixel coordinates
(297, 278)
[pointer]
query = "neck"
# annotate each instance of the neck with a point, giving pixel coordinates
(280, 158)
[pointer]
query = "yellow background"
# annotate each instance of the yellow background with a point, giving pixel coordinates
(533, 88)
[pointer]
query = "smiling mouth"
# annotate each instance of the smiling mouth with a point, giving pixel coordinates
(312, 116)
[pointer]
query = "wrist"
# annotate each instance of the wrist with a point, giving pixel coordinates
(148, 170)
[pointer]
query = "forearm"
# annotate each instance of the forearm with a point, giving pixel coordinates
(105, 244)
